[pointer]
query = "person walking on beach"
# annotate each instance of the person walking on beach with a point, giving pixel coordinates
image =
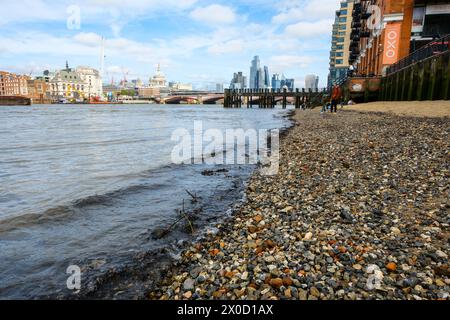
(325, 103)
(336, 96)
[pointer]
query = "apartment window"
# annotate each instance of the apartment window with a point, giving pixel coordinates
(344, 12)
(339, 61)
(342, 33)
(344, 5)
(340, 47)
(343, 19)
(339, 54)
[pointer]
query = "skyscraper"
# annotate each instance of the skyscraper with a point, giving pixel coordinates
(276, 81)
(259, 79)
(288, 84)
(256, 74)
(312, 82)
(239, 81)
(267, 84)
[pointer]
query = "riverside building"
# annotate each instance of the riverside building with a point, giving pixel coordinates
(93, 80)
(82, 83)
(158, 80)
(386, 31)
(13, 84)
(339, 55)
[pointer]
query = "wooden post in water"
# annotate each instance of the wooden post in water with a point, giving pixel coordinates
(266, 104)
(272, 101)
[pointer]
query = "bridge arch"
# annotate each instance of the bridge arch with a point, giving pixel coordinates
(181, 100)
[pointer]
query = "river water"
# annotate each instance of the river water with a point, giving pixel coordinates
(87, 185)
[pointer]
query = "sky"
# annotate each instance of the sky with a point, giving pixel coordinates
(195, 41)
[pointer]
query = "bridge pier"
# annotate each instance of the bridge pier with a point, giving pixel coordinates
(267, 99)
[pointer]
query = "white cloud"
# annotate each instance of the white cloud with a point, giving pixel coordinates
(90, 39)
(310, 29)
(310, 10)
(284, 62)
(214, 14)
(293, 14)
(233, 46)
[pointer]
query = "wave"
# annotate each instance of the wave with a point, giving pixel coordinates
(64, 212)
(158, 178)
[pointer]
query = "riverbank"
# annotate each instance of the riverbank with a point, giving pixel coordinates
(429, 109)
(359, 210)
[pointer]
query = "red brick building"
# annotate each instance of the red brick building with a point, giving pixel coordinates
(13, 85)
(38, 91)
(386, 31)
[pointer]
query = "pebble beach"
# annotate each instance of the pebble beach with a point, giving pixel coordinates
(359, 210)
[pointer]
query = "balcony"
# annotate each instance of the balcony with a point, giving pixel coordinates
(356, 25)
(366, 15)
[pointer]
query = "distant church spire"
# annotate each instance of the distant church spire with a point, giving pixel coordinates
(67, 65)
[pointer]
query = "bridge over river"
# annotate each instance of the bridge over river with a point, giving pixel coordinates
(194, 97)
(262, 98)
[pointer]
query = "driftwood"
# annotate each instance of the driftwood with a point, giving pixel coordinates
(193, 196)
(161, 233)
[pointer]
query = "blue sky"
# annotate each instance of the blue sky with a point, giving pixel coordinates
(196, 41)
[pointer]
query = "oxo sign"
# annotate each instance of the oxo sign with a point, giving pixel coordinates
(391, 43)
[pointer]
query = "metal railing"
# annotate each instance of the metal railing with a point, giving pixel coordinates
(435, 47)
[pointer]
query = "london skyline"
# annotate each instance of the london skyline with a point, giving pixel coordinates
(198, 42)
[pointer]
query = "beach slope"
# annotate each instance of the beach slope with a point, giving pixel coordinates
(359, 210)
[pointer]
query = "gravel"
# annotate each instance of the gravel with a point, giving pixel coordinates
(358, 211)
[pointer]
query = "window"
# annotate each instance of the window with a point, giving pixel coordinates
(343, 19)
(342, 33)
(344, 12)
(339, 54)
(340, 47)
(339, 61)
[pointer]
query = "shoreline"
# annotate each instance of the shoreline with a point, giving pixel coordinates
(127, 282)
(304, 235)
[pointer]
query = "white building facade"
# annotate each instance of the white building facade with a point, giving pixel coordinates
(93, 81)
(82, 83)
